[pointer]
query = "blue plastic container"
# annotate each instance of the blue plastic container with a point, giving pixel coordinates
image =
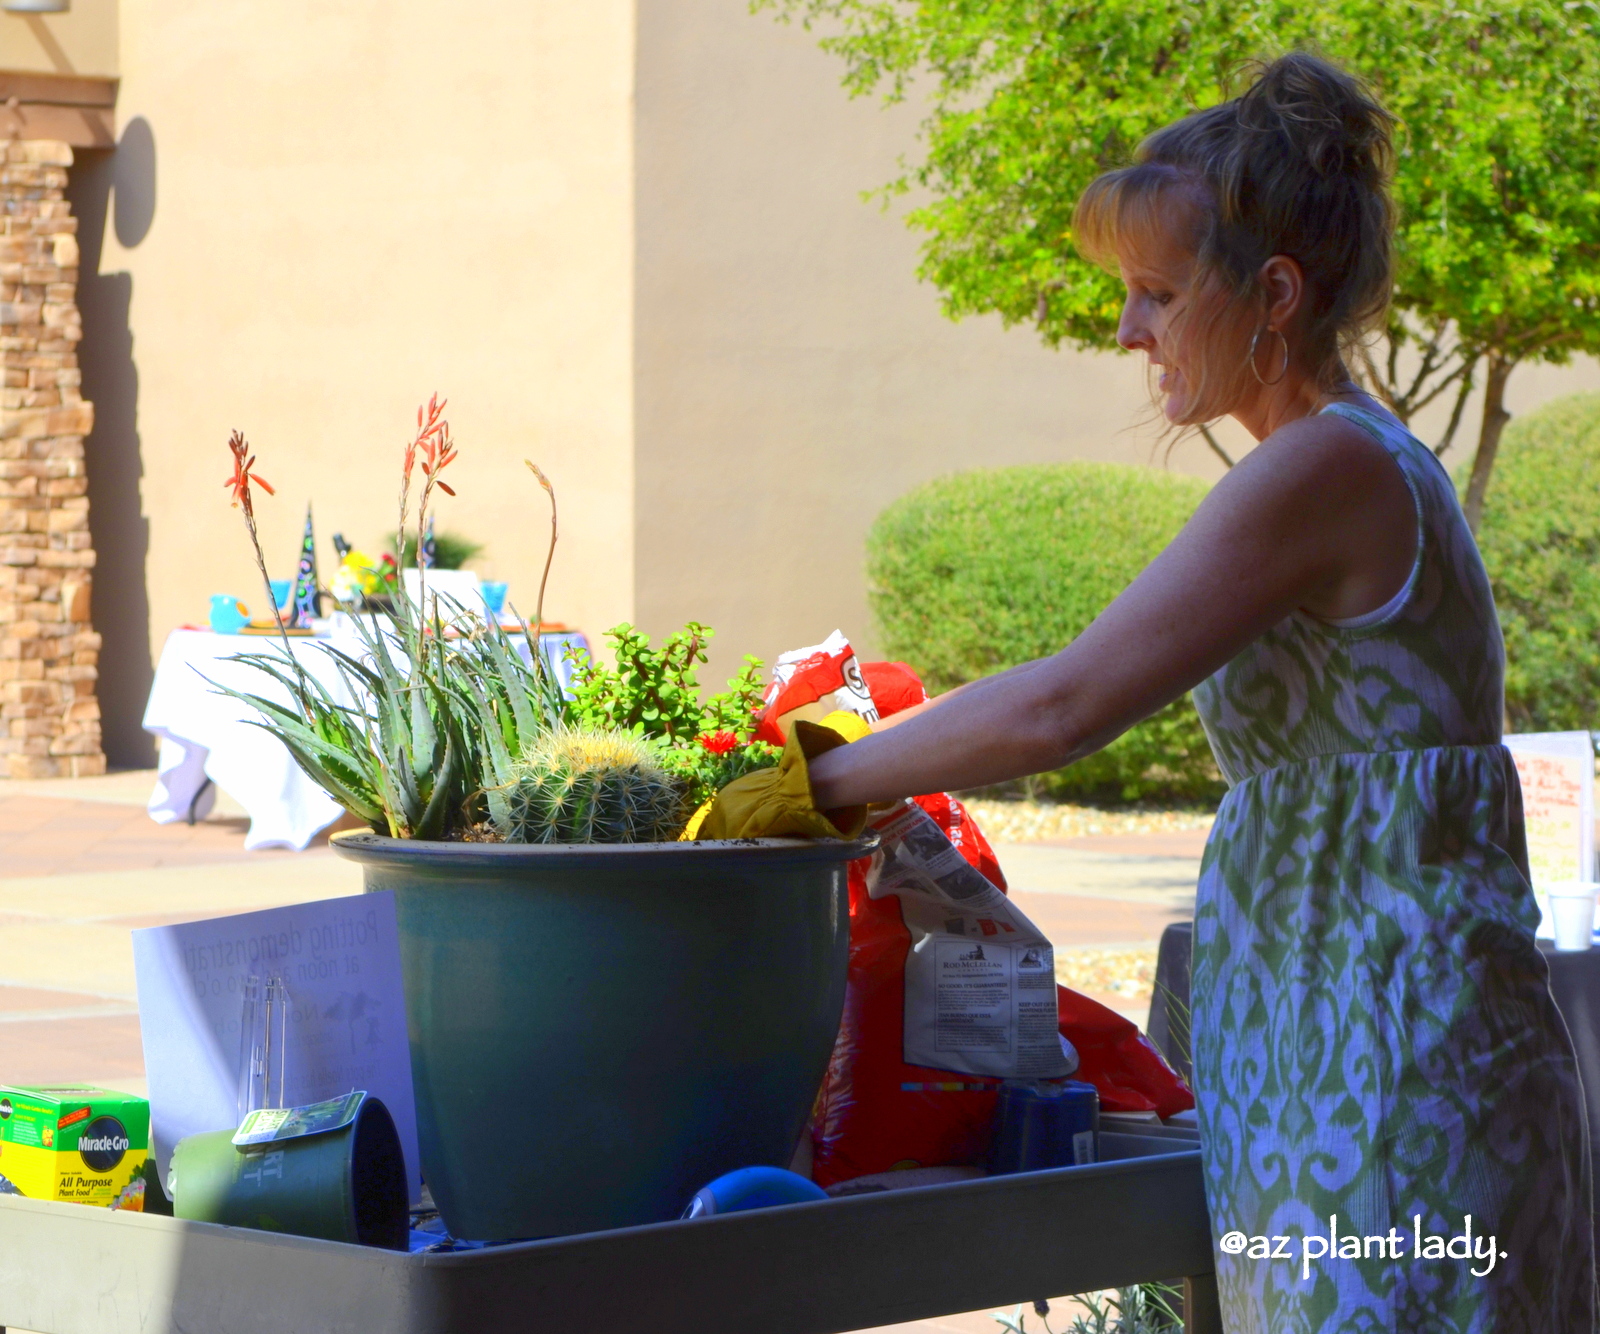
(1045, 1123)
(598, 1031)
(753, 1188)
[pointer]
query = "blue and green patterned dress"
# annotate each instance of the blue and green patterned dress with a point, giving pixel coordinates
(1373, 1030)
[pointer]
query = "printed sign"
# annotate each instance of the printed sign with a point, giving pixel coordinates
(1556, 770)
(345, 1026)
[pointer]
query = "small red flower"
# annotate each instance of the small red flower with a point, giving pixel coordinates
(428, 425)
(243, 461)
(434, 443)
(718, 743)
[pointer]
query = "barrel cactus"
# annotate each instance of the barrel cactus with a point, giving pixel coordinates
(582, 786)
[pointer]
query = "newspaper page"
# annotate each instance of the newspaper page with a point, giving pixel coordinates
(980, 978)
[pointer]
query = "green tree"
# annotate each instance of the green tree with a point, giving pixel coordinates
(1541, 544)
(1498, 179)
(1499, 193)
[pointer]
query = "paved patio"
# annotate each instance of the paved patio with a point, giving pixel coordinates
(81, 865)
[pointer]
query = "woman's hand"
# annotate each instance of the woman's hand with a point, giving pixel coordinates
(778, 802)
(1318, 517)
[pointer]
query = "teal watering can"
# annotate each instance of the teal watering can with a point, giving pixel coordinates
(228, 614)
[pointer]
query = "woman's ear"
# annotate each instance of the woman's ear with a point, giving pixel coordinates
(1284, 283)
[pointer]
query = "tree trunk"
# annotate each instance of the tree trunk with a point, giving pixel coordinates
(1495, 418)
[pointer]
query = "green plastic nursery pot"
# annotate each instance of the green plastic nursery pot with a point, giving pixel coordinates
(343, 1185)
(597, 1031)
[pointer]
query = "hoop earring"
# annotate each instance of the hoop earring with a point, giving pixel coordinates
(1268, 384)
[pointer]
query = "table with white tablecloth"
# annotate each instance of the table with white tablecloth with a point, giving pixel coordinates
(208, 740)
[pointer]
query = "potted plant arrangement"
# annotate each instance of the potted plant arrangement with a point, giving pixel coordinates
(603, 1014)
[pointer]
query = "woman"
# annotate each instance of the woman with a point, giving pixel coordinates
(1374, 1036)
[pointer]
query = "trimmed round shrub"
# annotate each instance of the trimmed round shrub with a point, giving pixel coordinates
(977, 572)
(1540, 539)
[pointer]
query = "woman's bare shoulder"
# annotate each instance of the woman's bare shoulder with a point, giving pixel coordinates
(1329, 450)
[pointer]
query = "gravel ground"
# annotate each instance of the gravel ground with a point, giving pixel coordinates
(1030, 821)
(1130, 973)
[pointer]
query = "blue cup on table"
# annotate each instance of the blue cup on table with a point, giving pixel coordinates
(281, 589)
(228, 614)
(1042, 1123)
(493, 592)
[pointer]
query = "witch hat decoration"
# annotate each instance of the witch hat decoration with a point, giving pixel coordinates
(304, 603)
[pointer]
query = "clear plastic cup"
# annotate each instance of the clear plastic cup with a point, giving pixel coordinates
(1572, 910)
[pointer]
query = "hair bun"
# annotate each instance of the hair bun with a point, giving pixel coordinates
(1298, 165)
(1321, 114)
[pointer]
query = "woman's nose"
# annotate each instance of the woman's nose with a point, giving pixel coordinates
(1132, 333)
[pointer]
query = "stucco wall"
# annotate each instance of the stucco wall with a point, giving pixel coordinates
(320, 215)
(626, 239)
(792, 375)
(81, 41)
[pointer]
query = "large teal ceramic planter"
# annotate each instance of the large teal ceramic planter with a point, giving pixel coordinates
(598, 1031)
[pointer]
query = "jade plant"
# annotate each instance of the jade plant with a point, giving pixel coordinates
(652, 693)
(444, 729)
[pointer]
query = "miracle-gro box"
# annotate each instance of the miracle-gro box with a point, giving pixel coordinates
(74, 1142)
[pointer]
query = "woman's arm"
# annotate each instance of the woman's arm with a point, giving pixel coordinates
(916, 710)
(1317, 516)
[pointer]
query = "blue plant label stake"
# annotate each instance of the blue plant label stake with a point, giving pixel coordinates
(303, 605)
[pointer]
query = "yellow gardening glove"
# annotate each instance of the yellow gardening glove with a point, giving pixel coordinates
(777, 803)
(851, 726)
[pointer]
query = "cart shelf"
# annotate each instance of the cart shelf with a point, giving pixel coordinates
(820, 1268)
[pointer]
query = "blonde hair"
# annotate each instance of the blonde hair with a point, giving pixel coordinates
(1299, 165)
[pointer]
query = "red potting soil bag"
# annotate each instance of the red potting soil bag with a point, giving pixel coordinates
(876, 1113)
(1114, 1056)
(810, 675)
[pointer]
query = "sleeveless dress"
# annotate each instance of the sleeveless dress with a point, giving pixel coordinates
(1374, 1038)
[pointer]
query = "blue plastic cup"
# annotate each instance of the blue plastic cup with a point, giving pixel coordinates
(281, 588)
(494, 596)
(1045, 1123)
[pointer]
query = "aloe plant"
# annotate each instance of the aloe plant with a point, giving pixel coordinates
(398, 754)
(395, 757)
(439, 727)
(434, 728)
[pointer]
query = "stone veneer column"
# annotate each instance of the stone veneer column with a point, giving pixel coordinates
(49, 716)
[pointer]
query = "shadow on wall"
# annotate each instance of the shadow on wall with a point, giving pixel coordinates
(122, 180)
